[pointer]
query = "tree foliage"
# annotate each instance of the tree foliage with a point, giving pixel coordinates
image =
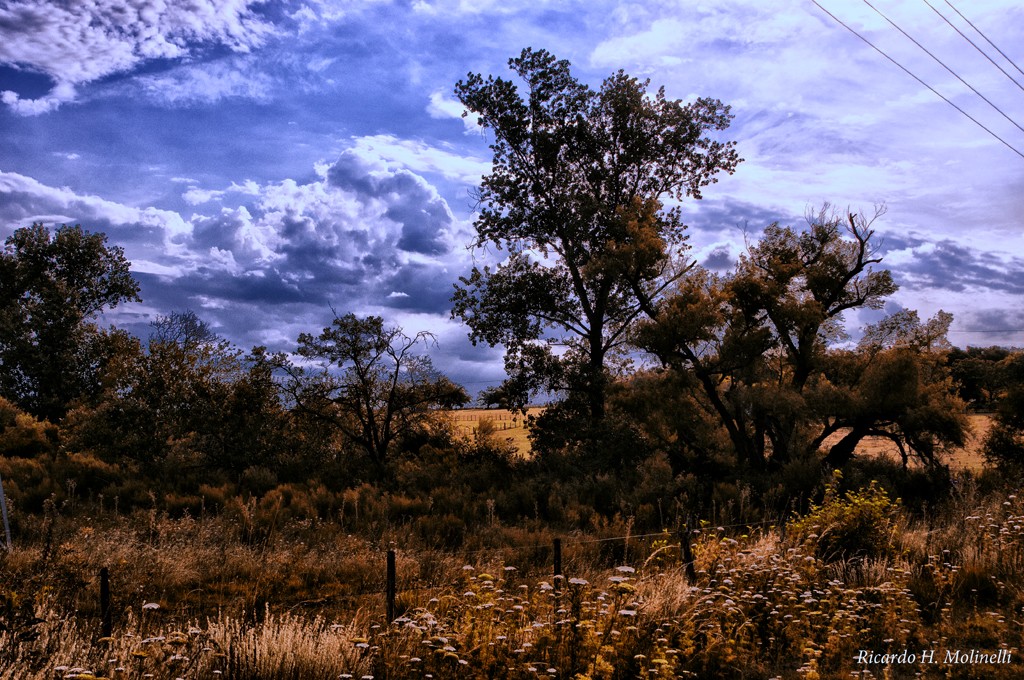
(367, 383)
(52, 288)
(980, 374)
(575, 199)
(1004, 444)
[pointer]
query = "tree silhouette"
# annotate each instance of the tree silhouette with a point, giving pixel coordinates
(52, 288)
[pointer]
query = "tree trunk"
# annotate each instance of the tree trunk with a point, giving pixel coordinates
(596, 386)
(842, 451)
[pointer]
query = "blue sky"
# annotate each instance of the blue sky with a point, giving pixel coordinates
(261, 162)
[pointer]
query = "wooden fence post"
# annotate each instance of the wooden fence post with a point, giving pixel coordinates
(687, 552)
(3, 508)
(106, 623)
(391, 587)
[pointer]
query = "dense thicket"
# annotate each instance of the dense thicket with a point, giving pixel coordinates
(673, 388)
(750, 399)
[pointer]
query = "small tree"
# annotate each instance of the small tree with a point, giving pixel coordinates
(52, 287)
(368, 383)
(184, 402)
(185, 329)
(755, 347)
(753, 341)
(896, 386)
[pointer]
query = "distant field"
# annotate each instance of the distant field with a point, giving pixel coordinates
(512, 426)
(509, 425)
(967, 458)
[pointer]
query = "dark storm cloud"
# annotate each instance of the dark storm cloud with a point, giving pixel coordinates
(714, 216)
(719, 259)
(955, 267)
(420, 288)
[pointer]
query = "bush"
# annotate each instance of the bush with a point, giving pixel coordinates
(860, 524)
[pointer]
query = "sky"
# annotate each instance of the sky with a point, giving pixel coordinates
(265, 163)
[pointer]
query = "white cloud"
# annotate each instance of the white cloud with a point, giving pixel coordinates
(209, 83)
(76, 43)
(197, 196)
(24, 199)
(390, 151)
(442, 107)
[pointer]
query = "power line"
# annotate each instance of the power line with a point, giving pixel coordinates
(974, 45)
(985, 37)
(905, 70)
(943, 65)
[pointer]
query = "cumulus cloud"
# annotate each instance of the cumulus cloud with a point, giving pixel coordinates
(196, 196)
(24, 200)
(388, 151)
(367, 228)
(77, 43)
(363, 234)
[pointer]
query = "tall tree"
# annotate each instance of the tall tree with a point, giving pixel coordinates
(575, 198)
(52, 288)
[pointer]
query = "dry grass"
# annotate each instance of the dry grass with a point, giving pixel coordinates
(511, 426)
(761, 604)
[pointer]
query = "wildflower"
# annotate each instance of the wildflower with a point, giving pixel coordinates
(149, 606)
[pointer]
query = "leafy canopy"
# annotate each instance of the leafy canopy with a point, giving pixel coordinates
(754, 348)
